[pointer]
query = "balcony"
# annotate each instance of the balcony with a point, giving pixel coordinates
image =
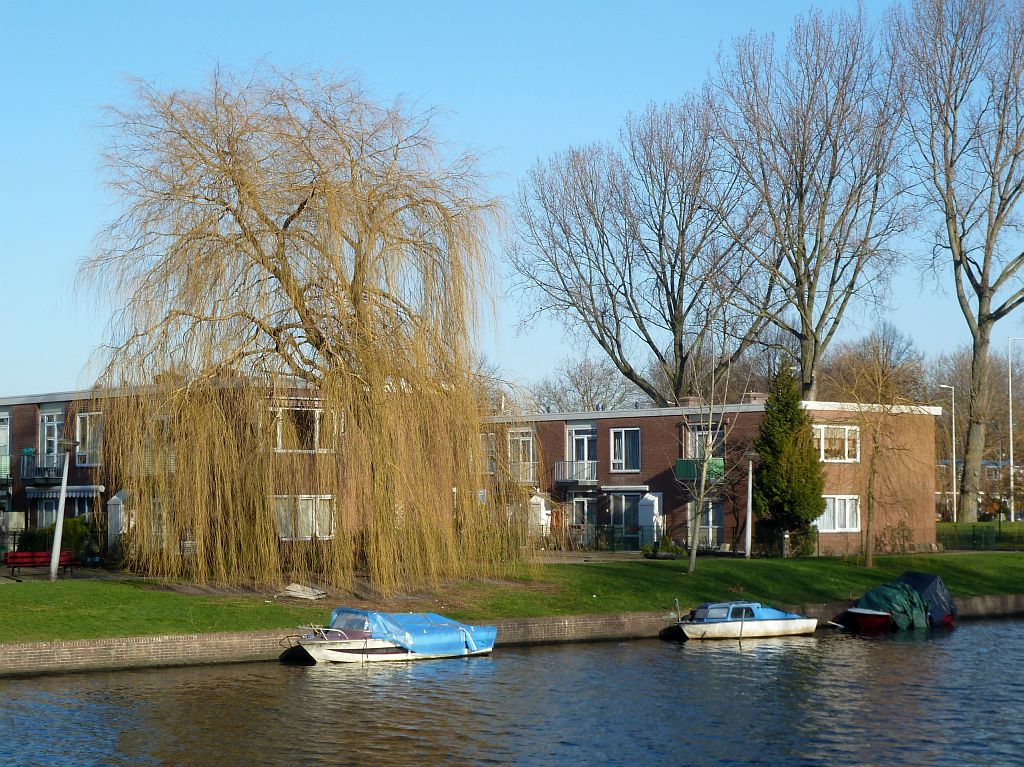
(5, 470)
(576, 473)
(688, 470)
(42, 469)
(522, 473)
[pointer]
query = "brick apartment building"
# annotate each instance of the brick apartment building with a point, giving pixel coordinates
(620, 478)
(632, 474)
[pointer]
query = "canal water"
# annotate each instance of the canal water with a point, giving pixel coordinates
(949, 698)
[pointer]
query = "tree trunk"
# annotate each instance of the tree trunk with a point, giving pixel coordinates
(977, 411)
(869, 512)
(698, 503)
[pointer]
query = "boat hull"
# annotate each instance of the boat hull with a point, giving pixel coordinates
(865, 621)
(372, 651)
(753, 629)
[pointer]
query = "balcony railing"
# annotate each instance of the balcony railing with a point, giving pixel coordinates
(689, 469)
(42, 469)
(523, 472)
(576, 472)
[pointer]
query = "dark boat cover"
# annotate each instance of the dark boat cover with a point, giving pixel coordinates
(938, 600)
(901, 601)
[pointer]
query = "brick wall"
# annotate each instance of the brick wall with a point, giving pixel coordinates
(24, 658)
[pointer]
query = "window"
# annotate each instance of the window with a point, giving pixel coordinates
(742, 614)
(522, 463)
(582, 443)
(302, 517)
(489, 450)
(46, 512)
(5, 446)
(89, 435)
(625, 450)
(303, 430)
(837, 444)
(51, 432)
(625, 511)
(842, 515)
(707, 443)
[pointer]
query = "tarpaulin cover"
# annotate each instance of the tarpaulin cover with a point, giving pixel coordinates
(901, 601)
(426, 633)
(938, 600)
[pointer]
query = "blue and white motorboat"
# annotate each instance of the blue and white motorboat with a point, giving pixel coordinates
(744, 620)
(364, 636)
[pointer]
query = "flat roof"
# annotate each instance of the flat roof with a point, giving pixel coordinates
(653, 412)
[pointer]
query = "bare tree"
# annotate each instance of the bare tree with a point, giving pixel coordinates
(626, 245)
(813, 131)
(882, 375)
(883, 367)
(586, 384)
(964, 64)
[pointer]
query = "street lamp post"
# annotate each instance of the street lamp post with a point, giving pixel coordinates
(1009, 381)
(751, 457)
(952, 393)
(58, 528)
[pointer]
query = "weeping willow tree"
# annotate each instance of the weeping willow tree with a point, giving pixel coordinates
(296, 269)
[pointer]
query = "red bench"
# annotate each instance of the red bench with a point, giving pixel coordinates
(18, 559)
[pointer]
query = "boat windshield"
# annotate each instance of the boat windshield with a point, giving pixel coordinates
(710, 613)
(351, 623)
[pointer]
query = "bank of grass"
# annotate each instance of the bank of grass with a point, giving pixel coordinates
(86, 609)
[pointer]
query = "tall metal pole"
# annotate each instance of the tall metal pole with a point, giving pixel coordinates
(750, 506)
(952, 391)
(58, 529)
(1009, 379)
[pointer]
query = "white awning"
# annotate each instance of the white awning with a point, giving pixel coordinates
(625, 488)
(74, 491)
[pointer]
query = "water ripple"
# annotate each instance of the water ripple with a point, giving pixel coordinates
(930, 699)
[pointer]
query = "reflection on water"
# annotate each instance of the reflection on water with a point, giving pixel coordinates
(948, 698)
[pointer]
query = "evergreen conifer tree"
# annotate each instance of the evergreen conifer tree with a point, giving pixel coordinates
(789, 482)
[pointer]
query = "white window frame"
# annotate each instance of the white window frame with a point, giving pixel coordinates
(519, 437)
(835, 500)
(700, 436)
(314, 522)
(819, 437)
(318, 414)
(46, 512)
(5, 446)
(84, 457)
(489, 451)
(51, 422)
(587, 433)
(618, 456)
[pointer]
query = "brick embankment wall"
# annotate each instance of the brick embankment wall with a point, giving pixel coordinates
(25, 658)
(138, 652)
(582, 628)
(1002, 606)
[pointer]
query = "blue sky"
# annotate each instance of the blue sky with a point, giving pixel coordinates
(517, 81)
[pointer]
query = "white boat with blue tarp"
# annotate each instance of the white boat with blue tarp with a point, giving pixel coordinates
(744, 620)
(364, 636)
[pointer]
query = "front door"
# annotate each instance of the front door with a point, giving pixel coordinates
(625, 519)
(582, 527)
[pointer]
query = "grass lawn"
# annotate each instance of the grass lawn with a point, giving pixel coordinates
(654, 584)
(88, 609)
(82, 609)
